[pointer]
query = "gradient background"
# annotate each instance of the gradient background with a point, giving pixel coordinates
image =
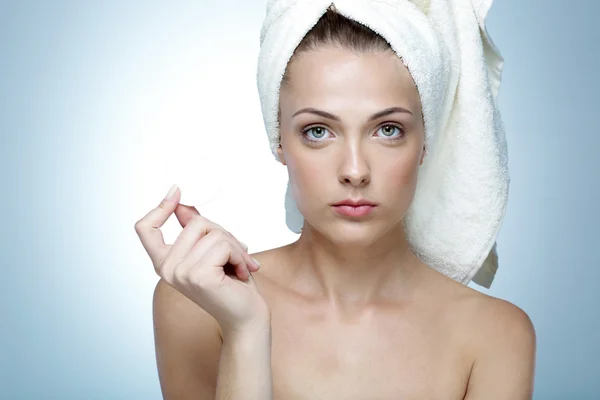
(105, 104)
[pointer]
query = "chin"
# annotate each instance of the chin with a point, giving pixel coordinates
(351, 233)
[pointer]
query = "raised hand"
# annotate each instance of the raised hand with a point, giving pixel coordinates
(198, 262)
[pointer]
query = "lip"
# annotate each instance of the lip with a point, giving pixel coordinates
(354, 203)
(354, 211)
(354, 208)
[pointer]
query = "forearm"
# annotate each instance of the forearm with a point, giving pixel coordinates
(245, 366)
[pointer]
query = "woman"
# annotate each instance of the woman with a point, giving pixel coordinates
(348, 311)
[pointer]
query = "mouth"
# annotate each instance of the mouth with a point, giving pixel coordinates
(354, 203)
(354, 208)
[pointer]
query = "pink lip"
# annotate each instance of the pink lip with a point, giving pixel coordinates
(354, 211)
(354, 203)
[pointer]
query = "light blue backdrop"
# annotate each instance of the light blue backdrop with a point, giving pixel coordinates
(76, 290)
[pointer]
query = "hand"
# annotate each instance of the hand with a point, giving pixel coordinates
(196, 264)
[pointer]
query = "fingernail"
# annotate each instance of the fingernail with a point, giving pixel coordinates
(171, 192)
(256, 262)
(244, 246)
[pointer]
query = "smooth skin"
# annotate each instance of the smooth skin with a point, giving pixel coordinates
(195, 267)
(352, 312)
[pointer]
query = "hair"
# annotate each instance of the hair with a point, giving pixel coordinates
(337, 30)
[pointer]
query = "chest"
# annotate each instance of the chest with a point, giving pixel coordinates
(370, 358)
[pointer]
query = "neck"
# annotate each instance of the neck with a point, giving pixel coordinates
(347, 275)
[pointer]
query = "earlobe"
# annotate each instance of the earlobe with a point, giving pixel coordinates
(280, 155)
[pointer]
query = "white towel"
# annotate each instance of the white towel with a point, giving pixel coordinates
(462, 187)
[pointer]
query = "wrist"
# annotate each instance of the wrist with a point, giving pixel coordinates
(257, 330)
(245, 364)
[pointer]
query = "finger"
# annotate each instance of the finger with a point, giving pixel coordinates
(241, 271)
(195, 230)
(179, 262)
(252, 264)
(216, 250)
(185, 214)
(148, 228)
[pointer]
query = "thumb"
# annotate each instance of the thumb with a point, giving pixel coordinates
(185, 213)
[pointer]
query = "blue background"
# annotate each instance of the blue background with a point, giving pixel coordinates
(75, 79)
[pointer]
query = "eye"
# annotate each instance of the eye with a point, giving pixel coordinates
(391, 131)
(315, 133)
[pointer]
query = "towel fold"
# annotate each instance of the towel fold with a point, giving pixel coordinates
(462, 187)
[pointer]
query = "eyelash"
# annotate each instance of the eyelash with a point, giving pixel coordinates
(306, 130)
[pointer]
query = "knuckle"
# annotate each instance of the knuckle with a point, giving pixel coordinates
(161, 268)
(139, 226)
(223, 235)
(219, 235)
(197, 218)
(165, 262)
(196, 222)
(180, 275)
(223, 245)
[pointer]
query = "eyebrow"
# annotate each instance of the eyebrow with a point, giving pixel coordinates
(325, 114)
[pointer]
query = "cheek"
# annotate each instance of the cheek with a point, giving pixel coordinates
(401, 173)
(307, 176)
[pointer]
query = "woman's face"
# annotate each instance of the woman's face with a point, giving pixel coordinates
(343, 149)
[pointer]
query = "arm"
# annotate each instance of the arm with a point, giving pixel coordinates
(195, 299)
(505, 361)
(194, 363)
(245, 368)
(188, 346)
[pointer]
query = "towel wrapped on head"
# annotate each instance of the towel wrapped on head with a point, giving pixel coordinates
(462, 187)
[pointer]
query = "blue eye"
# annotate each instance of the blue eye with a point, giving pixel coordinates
(318, 132)
(389, 133)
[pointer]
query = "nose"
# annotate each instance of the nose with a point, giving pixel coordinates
(354, 168)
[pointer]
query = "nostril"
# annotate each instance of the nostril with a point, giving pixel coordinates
(356, 181)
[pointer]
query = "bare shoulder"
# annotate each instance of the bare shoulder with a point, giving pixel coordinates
(273, 263)
(502, 341)
(187, 343)
(483, 317)
(495, 321)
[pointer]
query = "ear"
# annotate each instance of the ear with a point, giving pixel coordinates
(280, 155)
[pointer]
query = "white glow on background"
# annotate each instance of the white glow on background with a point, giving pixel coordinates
(105, 104)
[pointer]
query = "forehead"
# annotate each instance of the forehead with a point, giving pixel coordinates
(331, 72)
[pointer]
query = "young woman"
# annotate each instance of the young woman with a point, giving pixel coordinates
(348, 311)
